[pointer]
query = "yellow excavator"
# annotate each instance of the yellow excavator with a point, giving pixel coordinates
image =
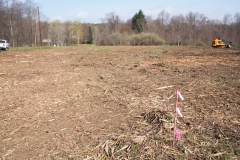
(221, 43)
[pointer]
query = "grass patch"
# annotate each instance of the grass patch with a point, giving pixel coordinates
(88, 154)
(160, 52)
(57, 156)
(221, 80)
(135, 62)
(169, 118)
(134, 149)
(103, 50)
(29, 48)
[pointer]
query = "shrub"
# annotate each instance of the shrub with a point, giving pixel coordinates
(202, 44)
(145, 39)
(236, 45)
(116, 39)
(134, 39)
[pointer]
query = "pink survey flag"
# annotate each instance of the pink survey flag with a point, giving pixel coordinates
(181, 97)
(179, 94)
(177, 134)
(178, 111)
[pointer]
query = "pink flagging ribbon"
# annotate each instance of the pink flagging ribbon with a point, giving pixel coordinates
(178, 111)
(180, 95)
(177, 134)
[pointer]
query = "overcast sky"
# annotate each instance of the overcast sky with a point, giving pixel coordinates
(93, 11)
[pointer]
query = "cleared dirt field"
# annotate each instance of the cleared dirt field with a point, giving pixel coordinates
(92, 102)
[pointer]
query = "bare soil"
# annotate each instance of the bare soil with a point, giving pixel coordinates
(93, 102)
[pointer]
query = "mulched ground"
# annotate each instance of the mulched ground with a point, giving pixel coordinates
(93, 102)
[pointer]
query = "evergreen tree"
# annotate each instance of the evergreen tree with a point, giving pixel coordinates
(90, 36)
(139, 22)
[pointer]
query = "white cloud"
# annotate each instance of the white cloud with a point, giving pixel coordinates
(152, 13)
(83, 15)
(170, 10)
(124, 14)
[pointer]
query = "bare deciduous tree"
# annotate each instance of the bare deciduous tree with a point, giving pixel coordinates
(237, 26)
(30, 22)
(177, 29)
(76, 30)
(113, 21)
(150, 26)
(162, 20)
(18, 25)
(57, 32)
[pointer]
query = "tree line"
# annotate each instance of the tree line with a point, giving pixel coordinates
(20, 25)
